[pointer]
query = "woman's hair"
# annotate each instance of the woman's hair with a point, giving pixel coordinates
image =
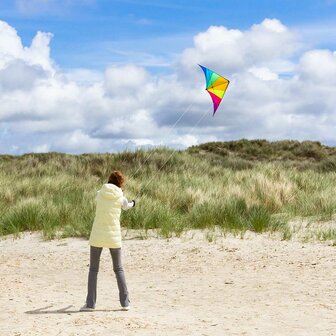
(117, 178)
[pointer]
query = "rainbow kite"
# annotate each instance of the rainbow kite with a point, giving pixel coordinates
(216, 86)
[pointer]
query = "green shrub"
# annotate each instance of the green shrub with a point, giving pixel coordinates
(236, 186)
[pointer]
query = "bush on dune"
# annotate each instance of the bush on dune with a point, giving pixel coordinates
(236, 186)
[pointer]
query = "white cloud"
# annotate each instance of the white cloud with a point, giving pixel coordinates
(10, 44)
(141, 142)
(186, 140)
(127, 124)
(318, 66)
(125, 80)
(18, 75)
(263, 73)
(318, 34)
(39, 51)
(83, 76)
(45, 148)
(77, 141)
(232, 50)
(268, 41)
(12, 50)
(277, 91)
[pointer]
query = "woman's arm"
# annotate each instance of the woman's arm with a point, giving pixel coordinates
(125, 205)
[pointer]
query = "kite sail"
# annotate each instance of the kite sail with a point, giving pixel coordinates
(216, 86)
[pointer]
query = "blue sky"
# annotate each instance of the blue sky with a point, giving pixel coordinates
(93, 33)
(91, 75)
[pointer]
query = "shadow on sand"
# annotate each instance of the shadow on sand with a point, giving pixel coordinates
(65, 310)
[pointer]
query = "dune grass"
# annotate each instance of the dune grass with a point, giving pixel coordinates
(205, 187)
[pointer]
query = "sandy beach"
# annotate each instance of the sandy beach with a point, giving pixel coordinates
(181, 286)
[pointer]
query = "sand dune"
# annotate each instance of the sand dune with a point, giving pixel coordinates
(182, 286)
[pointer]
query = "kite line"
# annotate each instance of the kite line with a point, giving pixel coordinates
(170, 130)
(172, 154)
(216, 86)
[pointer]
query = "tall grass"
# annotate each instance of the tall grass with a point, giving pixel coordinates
(206, 187)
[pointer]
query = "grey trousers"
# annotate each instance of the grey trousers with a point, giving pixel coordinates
(95, 253)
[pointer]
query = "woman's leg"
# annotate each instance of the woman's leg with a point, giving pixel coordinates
(91, 298)
(120, 275)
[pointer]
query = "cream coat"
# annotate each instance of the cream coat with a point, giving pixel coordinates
(106, 226)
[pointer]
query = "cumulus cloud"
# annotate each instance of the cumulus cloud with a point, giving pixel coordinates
(125, 80)
(263, 73)
(318, 66)
(232, 50)
(10, 44)
(44, 148)
(277, 90)
(19, 75)
(12, 50)
(77, 141)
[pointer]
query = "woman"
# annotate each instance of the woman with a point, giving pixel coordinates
(106, 232)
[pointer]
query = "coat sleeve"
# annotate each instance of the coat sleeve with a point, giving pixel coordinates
(125, 205)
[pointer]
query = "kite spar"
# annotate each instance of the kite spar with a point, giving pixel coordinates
(216, 86)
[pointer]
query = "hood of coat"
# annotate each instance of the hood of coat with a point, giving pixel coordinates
(110, 191)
